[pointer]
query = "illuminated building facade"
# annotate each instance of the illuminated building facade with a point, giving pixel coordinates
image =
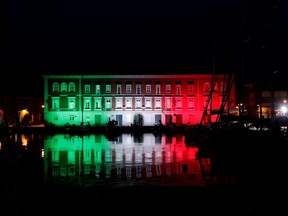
(145, 100)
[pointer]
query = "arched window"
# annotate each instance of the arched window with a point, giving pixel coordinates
(71, 87)
(55, 87)
(63, 87)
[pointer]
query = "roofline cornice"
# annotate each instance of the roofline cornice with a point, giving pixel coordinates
(161, 76)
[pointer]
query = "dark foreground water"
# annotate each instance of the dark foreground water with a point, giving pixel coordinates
(93, 174)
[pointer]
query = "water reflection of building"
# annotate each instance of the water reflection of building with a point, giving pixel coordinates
(94, 157)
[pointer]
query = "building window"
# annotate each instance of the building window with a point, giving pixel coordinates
(138, 104)
(191, 103)
(191, 88)
(138, 88)
(148, 103)
(128, 103)
(206, 86)
(63, 87)
(178, 103)
(71, 87)
(158, 89)
(108, 103)
(119, 88)
(55, 87)
(168, 103)
(148, 88)
(87, 88)
(119, 103)
(178, 89)
(55, 103)
(158, 103)
(71, 103)
(168, 88)
(108, 88)
(97, 89)
(128, 88)
(98, 103)
(87, 103)
(87, 120)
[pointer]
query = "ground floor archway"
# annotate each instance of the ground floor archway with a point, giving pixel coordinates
(138, 119)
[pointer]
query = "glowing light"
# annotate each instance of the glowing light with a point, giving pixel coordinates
(284, 110)
(24, 140)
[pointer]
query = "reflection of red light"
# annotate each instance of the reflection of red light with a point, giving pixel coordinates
(130, 159)
(184, 153)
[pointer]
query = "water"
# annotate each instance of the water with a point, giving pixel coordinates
(124, 160)
(47, 171)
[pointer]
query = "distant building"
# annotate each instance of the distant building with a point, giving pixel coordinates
(145, 100)
(276, 100)
(265, 102)
(21, 110)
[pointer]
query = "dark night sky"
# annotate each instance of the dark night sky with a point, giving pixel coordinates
(139, 37)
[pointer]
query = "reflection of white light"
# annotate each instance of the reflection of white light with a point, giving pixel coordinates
(284, 109)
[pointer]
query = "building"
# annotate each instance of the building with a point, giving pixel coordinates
(21, 110)
(145, 100)
(268, 103)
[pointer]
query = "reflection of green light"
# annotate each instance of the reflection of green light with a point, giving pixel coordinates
(91, 146)
(95, 149)
(94, 156)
